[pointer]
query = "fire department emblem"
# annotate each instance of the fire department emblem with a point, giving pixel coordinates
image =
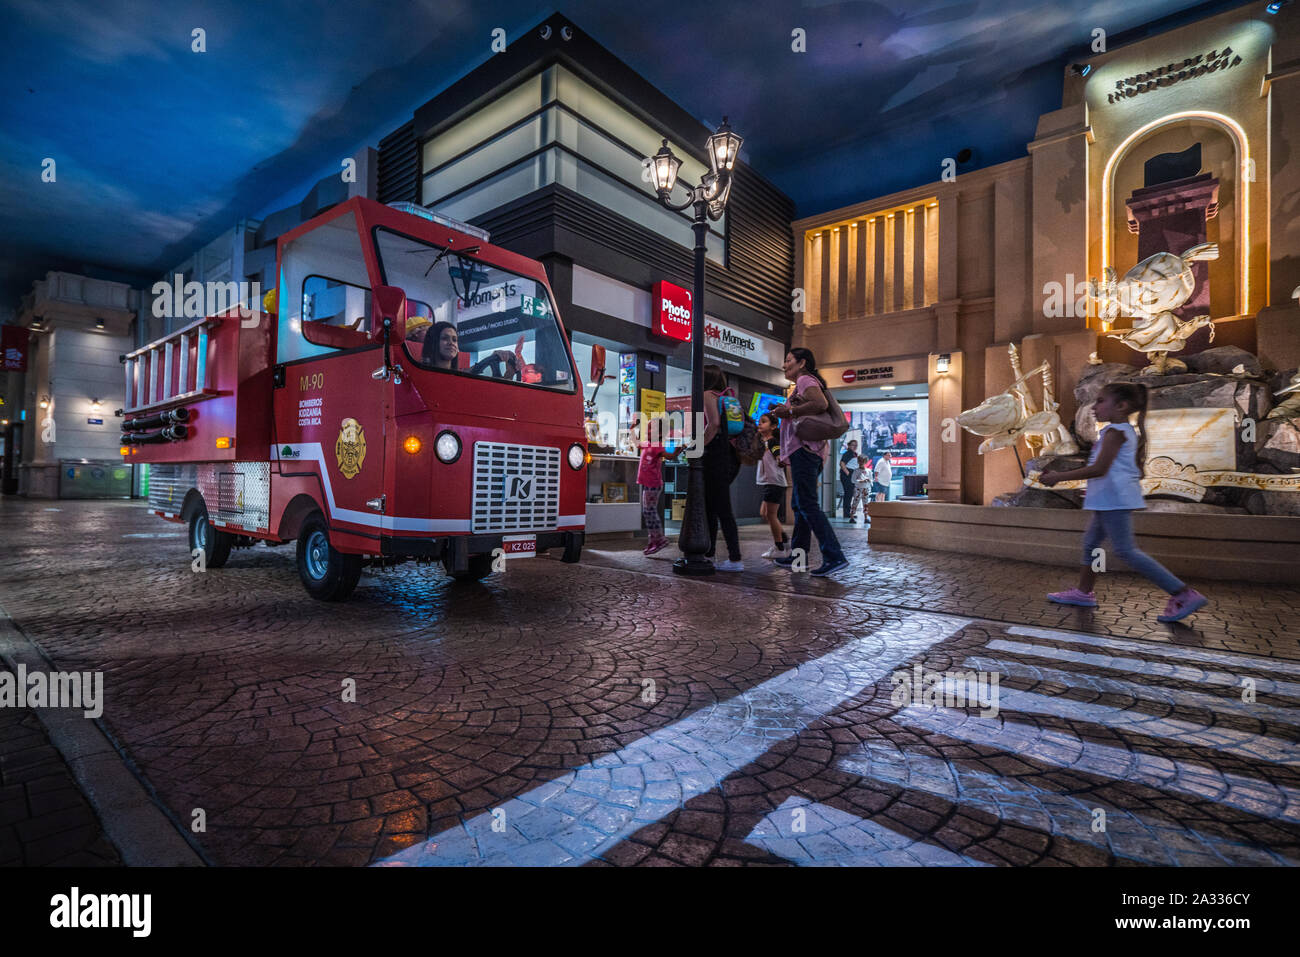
(350, 449)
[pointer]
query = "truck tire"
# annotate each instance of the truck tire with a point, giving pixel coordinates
(216, 544)
(326, 573)
(480, 566)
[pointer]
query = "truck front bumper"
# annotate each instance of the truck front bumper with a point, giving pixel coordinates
(456, 550)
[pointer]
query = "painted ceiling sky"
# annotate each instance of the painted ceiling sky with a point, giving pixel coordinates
(160, 149)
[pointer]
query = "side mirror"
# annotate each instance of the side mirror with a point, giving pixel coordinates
(389, 303)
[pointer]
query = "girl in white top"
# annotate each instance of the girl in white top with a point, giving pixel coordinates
(1114, 474)
(771, 479)
(863, 478)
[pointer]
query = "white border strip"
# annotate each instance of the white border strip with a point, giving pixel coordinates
(312, 452)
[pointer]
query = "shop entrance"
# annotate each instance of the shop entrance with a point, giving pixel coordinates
(892, 430)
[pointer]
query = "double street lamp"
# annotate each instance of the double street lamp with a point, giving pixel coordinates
(709, 199)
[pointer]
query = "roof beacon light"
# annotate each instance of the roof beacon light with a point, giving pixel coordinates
(441, 220)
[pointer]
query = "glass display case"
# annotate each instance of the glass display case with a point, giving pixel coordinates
(613, 496)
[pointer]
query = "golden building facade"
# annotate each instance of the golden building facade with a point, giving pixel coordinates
(1194, 132)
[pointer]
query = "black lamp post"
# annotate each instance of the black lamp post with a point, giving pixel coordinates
(709, 200)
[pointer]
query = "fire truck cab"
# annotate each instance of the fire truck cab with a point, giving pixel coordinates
(407, 394)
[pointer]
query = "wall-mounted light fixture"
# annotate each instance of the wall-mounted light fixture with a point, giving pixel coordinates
(45, 402)
(943, 363)
(95, 403)
(99, 323)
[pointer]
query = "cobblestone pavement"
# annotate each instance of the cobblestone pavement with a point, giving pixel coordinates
(611, 713)
(1243, 617)
(44, 817)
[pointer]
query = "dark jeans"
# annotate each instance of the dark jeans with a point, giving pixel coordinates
(809, 519)
(718, 476)
(846, 487)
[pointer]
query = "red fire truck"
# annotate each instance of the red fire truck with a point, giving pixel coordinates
(407, 393)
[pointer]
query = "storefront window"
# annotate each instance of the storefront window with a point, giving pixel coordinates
(608, 408)
(901, 428)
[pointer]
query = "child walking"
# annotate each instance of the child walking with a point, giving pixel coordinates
(863, 477)
(771, 479)
(650, 476)
(1114, 473)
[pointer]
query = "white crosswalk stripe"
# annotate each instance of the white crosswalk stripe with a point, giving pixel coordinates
(1161, 694)
(1139, 666)
(1222, 659)
(573, 818)
(807, 833)
(1127, 834)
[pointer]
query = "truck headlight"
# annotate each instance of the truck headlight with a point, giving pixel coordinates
(447, 447)
(577, 456)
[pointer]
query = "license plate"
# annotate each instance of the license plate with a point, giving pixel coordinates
(519, 546)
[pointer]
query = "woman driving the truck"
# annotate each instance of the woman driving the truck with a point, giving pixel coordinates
(442, 348)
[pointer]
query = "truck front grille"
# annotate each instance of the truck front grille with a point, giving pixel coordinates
(516, 488)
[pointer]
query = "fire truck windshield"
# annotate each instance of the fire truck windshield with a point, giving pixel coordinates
(466, 316)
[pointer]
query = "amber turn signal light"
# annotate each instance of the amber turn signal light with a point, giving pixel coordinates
(412, 444)
(224, 442)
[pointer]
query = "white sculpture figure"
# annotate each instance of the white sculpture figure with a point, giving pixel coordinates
(1012, 415)
(1148, 293)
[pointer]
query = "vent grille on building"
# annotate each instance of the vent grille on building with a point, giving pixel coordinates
(399, 166)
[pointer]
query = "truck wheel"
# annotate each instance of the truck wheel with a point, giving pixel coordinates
(480, 566)
(215, 544)
(326, 573)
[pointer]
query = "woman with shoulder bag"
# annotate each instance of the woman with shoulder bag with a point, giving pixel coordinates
(721, 466)
(806, 456)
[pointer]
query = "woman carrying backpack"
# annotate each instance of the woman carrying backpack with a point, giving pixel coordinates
(720, 465)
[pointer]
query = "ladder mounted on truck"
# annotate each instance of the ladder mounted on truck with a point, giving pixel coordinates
(169, 370)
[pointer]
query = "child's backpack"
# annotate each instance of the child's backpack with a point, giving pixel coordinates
(732, 413)
(742, 432)
(748, 445)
